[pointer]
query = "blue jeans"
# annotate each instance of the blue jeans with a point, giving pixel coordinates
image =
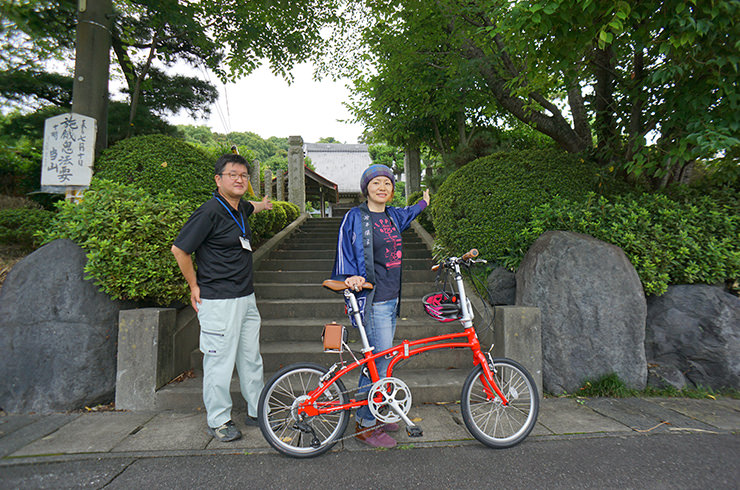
(380, 326)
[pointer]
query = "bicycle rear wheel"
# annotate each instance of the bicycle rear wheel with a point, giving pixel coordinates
(487, 418)
(280, 423)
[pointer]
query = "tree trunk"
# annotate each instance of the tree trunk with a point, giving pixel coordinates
(412, 166)
(554, 126)
(606, 137)
(92, 64)
(137, 87)
(638, 101)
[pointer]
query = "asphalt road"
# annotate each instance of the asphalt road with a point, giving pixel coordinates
(657, 461)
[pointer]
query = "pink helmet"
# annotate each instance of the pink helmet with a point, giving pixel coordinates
(442, 306)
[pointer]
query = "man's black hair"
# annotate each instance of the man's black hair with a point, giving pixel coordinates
(230, 158)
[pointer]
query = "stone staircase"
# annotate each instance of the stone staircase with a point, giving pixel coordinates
(294, 308)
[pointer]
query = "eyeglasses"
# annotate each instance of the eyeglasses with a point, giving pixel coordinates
(234, 175)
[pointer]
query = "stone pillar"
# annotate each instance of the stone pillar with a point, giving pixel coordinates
(254, 177)
(268, 183)
(412, 167)
(145, 357)
(517, 334)
(280, 194)
(296, 173)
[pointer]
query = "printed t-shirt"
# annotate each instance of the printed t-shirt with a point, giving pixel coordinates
(387, 255)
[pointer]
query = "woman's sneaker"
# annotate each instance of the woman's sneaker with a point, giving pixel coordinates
(226, 432)
(374, 437)
(389, 427)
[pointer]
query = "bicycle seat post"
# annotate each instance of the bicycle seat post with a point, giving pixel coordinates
(358, 320)
(467, 319)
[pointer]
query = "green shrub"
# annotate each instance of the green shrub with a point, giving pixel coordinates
(267, 223)
(127, 234)
(158, 163)
(20, 170)
(484, 204)
(291, 211)
(695, 239)
(18, 225)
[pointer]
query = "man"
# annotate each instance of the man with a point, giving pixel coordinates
(222, 294)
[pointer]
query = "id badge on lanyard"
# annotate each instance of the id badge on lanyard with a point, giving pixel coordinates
(242, 239)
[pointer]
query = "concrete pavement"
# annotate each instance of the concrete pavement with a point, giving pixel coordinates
(28, 439)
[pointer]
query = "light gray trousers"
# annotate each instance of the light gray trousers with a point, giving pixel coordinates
(230, 335)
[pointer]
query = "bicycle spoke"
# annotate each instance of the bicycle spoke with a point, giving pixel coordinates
(490, 420)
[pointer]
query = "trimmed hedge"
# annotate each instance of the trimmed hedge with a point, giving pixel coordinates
(127, 234)
(484, 204)
(681, 240)
(267, 223)
(158, 163)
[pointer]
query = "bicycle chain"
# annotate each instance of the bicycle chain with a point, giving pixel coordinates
(378, 425)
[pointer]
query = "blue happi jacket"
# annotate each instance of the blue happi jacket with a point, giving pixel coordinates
(355, 245)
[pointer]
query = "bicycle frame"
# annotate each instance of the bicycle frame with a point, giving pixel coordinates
(406, 349)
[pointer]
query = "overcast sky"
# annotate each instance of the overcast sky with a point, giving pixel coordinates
(265, 104)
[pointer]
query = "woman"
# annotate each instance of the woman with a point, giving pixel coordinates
(369, 249)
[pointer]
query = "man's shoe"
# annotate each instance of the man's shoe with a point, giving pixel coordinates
(251, 421)
(226, 432)
(374, 437)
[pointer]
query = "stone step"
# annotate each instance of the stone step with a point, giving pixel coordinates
(318, 276)
(330, 240)
(279, 353)
(288, 291)
(329, 253)
(276, 355)
(322, 222)
(330, 306)
(427, 386)
(292, 329)
(327, 264)
(332, 245)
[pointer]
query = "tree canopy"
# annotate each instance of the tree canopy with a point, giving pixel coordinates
(229, 37)
(648, 86)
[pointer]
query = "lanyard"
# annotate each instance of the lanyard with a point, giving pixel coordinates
(241, 227)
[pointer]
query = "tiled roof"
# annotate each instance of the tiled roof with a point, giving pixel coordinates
(342, 164)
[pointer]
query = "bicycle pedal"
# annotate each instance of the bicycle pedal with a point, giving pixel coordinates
(414, 431)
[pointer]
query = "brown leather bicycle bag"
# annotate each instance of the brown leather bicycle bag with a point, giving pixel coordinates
(333, 336)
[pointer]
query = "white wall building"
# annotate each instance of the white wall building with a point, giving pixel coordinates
(342, 164)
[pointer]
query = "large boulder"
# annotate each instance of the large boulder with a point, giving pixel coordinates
(501, 287)
(695, 330)
(58, 334)
(593, 310)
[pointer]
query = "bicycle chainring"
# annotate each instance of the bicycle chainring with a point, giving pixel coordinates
(385, 393)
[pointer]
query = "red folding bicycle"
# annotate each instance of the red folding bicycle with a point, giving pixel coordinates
(304, 408)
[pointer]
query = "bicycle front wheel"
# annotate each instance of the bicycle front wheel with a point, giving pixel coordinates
(280, 422)
(487, 418)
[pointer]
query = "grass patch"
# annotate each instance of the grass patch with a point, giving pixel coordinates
(608, 385)
(612, 386)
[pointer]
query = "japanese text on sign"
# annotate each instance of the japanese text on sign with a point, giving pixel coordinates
(69, 150)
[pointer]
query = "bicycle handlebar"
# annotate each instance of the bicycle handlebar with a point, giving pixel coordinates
(467, 257)
(470, 255)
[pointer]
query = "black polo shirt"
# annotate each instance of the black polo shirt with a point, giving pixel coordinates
(224, 267)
